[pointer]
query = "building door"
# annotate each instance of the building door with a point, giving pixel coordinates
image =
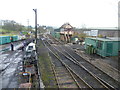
(109, 49)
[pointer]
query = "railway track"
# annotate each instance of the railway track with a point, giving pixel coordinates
(82, 72)
(93, 69)
(85, 56)
(65, 77)
(60, 43)
(102, 76)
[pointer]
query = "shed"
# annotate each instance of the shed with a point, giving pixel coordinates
(103, 46)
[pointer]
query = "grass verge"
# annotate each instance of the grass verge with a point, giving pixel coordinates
(46, 68)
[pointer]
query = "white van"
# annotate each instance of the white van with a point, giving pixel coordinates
(31, 47)
(30, 51)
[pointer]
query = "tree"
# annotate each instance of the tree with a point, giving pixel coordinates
(12, 25)
(42, 29)
(80, 35)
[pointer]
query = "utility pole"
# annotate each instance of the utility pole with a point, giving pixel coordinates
(28, 23)
(35, 10)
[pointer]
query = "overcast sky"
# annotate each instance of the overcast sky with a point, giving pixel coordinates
(89, 13)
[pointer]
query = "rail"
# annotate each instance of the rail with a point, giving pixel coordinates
(69, 70)
(100, 75)
(100, 84)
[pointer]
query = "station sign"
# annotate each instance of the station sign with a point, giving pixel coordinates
(94, 33)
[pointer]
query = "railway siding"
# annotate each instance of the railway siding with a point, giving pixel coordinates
(90, 79)
(63, 77)
(78, 80)
(103, 66)
(99, 73)
(83, 73)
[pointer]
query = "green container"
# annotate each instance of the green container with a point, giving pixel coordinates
(103, 46)
(52, 33)
(4, 39)
(15, 38)
(55, 34)
(90, 49)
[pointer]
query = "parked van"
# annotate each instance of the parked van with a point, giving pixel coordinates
(30, 51)
(31, 47)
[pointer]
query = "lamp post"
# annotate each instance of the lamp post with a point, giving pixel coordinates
(35, 10)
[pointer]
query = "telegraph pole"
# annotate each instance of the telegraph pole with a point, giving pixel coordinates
(35, 10)
(28, 23)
